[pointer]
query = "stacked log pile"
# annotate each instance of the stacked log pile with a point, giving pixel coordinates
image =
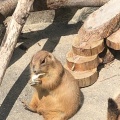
(83, 59)
(83, 63)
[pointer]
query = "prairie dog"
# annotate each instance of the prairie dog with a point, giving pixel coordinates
(114, 108)
(57, 95)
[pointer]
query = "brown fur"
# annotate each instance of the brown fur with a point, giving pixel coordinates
(114, 108)
(57, 96)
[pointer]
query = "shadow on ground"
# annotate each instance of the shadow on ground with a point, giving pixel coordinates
(60, 27)
(14, 94)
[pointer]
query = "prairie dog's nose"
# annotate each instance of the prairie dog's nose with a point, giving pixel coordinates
(35, 69)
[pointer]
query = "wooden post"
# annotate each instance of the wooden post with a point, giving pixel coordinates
(10, 39)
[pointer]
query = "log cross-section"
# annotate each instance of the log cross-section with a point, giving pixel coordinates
(12, 33)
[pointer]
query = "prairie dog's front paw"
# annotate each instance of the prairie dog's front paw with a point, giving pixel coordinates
(34, 77)
(35, 82)
(27, 107)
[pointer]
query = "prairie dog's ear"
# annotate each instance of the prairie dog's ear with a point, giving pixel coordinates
(112, 105)
(51, 56)
(113, 111)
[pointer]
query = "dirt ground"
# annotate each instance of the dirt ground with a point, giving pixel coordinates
(53, 31)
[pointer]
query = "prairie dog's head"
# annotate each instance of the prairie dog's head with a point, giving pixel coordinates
(41, 62)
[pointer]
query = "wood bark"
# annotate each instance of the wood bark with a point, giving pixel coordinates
(10, 39)
(100, 24)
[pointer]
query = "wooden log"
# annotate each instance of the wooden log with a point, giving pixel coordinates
(93, 48)
(113, 41)
(107, 55)
(100, 24)
(10, 39)
(2, 32)
(85, 78)
(52, 4)
(7, 6)
(81, 63)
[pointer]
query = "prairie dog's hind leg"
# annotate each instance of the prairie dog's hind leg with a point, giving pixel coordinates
(55, 116)
(51, 109)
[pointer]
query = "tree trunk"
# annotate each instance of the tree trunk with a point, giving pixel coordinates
(100, 24)
(10, 39)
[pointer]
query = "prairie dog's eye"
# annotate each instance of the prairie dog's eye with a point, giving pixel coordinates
(43, 61)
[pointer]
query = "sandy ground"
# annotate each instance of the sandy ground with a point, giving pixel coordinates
(54, 31)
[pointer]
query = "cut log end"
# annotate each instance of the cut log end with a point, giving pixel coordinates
(113, 41)
(92, 48)
(81, 63)
(85, 78)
